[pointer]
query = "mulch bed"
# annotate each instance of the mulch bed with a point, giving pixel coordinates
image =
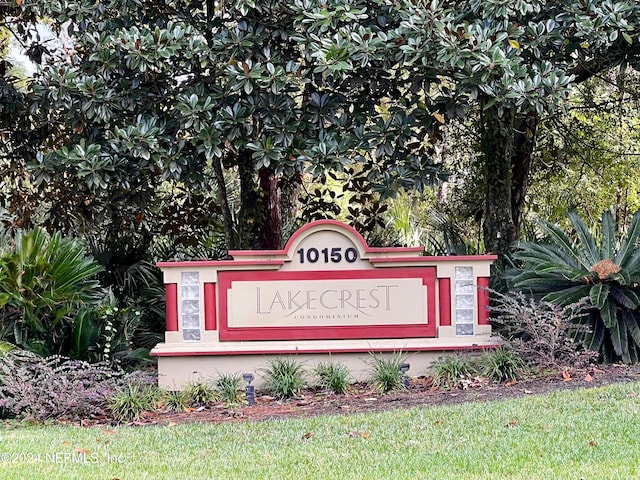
(421, 392)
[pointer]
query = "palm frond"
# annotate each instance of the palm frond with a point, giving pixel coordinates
(609, 241)
(599, 294)
(609, 315)
(567, 296)
(633, 328)
(625, 297)
(618, 335)
(535, 252)
(632, 266)
(629, 243)
(590, 252)
(562, 241)
(593, 339)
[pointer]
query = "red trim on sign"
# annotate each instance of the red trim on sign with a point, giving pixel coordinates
(444, 298)
(219, 263)
(285, 351)
(171, 290)
(320, 223)
(395, 249)
(227, 333)
(483, 301)
(317, 225)
(430, 260)
(210, 306)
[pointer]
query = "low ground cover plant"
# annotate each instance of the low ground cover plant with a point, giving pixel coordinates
(201, 393)
(386, 373)
(229, 388)
(176, 401)
(502, 364)
(133, 399)
(333, 376)
(284, 377)
(55, 387)
(452, 371)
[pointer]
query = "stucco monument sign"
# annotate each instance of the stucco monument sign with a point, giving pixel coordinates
(326, 292)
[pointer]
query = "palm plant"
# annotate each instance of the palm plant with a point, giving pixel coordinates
(604, 270)
(45, 281)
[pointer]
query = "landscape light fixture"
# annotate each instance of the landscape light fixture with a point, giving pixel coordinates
(404, 368)
(250, 390)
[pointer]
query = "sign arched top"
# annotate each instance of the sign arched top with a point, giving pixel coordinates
(327, 245)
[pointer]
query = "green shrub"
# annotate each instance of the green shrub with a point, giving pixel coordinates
(229, 388)
(451, 371)
(599, 268)
(284, 377)
(201, 393)
(333, 376)
(128, 403)
(176, 401)
(501, 364)
(386, 375)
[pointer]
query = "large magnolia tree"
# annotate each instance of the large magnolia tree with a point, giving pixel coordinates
(149, 92)
(161, 90)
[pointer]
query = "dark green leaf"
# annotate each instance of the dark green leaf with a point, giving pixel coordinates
(608, 312)
(568, 295)
(633, 328)
(625, 297)
(593, 339)
(587, 244)
(629, 243)
(562, 241)
(598, 294)
(608, 247)
(618, 334)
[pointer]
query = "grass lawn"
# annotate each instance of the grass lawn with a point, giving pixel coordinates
(585, 434)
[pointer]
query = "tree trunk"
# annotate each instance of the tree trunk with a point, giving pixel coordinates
(521, 159)
(271, 222)
(248, 231)
(290, 189)
(223, 199)
(497, 127)
(260, 220)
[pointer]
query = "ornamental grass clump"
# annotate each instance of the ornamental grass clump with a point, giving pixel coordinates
(201, 393)
(176, 401)
(284, 377)
(601, 268)
(229, 388)
(502, 364)
(128, 403)
(333, 376)
(386, 375)
(453, 371)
